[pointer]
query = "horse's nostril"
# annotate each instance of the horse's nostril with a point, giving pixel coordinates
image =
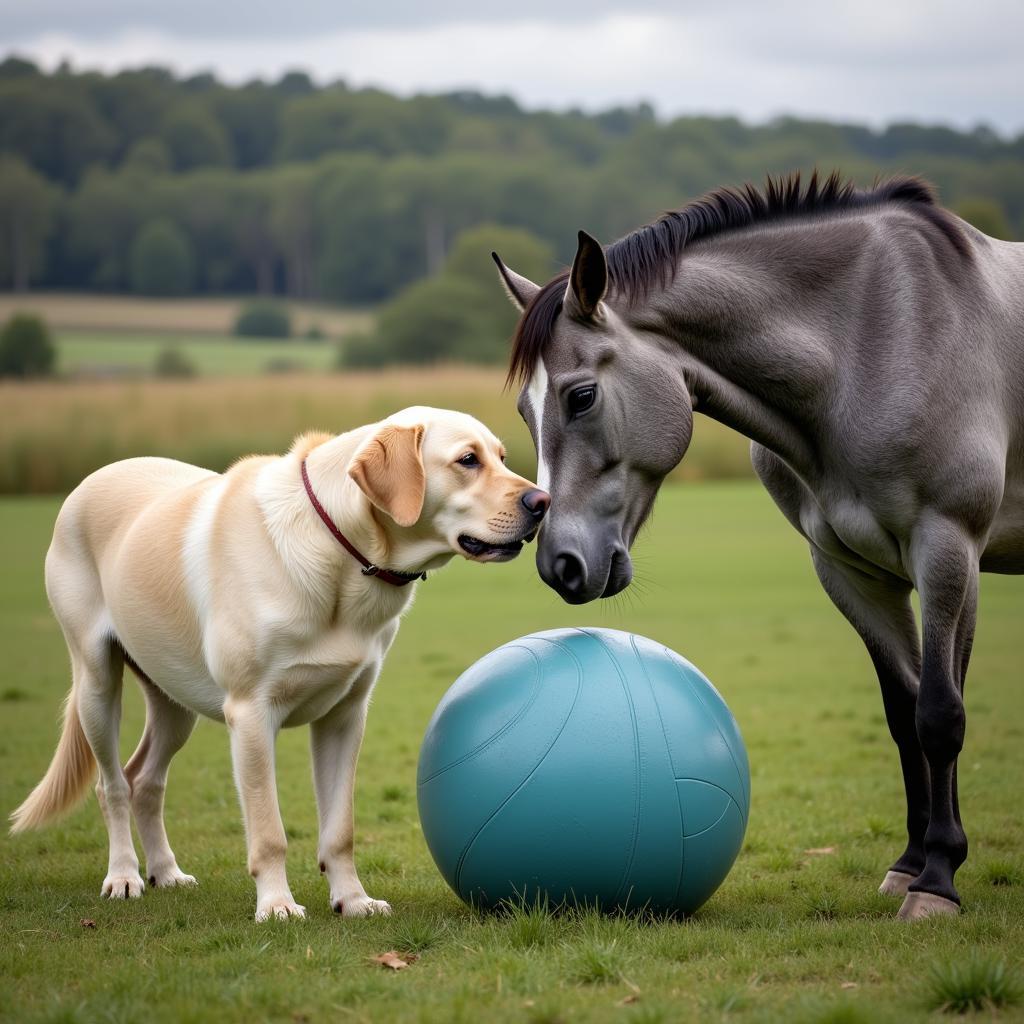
(570, 573)
(536, 502)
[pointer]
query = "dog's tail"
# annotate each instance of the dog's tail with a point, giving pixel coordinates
(66, 780)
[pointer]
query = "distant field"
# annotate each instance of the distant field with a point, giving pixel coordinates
(174, 316)
(53, 433)
(797, 933)
(103, 353)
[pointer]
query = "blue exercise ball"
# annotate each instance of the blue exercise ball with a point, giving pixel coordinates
(588, 767)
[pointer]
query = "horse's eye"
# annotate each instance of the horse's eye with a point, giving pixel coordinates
(469, 460)
(581, 399)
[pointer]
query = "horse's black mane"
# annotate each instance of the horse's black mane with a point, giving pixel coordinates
(649, 256)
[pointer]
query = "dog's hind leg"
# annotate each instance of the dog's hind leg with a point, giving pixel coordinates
(168, 726)
(97, 688)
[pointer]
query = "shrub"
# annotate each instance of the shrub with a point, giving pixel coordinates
(264, 319)
(360, 351)
(462, 314)
(282, 364)
(172, 362)
(435, 320)
(161, 260)
(26, 349)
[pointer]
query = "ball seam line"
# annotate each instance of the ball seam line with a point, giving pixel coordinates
(501, 732)
(533, 771)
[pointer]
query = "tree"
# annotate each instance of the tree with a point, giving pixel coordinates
(470, 256)
(368, 121)
(149, 156)
(250, 116)
(53, 127)
(26, 349)
(27, 207)
(194, 136)
(251, 230)
(293, 226)
(103, 218)
(17, 67)
(161, 260)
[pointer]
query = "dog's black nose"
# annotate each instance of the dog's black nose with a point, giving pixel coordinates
(536, 502)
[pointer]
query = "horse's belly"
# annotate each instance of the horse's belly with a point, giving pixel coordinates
(1004, 551)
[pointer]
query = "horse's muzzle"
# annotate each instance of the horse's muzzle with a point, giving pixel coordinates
(568, 573)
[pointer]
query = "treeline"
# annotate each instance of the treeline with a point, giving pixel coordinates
(145, 182)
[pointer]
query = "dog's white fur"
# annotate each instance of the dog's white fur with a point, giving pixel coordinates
(234, 601)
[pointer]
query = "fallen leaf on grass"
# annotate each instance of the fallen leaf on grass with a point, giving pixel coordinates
(87, 922)
(393, 960)
(820, 851)
(629, 1000)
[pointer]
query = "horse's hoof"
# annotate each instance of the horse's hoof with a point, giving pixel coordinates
(919, 905)
(895, 883)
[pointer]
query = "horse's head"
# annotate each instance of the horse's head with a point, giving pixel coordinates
(610, 417)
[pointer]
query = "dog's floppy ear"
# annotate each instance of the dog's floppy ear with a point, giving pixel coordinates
(389, 471)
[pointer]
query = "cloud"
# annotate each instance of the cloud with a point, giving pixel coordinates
(872, 62)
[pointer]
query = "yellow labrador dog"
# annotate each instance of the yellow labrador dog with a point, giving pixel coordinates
(263, 597)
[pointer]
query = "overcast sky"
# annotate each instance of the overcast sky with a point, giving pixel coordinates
(872, 61)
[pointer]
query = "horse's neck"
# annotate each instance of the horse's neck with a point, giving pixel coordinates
(759, 335)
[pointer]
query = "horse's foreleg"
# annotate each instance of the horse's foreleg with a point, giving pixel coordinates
(880, 611)
(945, 564)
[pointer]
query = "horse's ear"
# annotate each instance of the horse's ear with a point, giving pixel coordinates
(588, 279)
(521, 290)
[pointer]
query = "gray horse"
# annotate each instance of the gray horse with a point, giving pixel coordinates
(871, 346)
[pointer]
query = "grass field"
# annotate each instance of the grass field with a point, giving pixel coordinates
(790, 936)
(131, 313)
(102, 353)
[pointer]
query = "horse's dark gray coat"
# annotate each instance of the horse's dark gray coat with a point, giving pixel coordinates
(873, 351)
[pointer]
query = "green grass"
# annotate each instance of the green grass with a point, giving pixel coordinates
(215, 355)
(789, 936)
(975, 982)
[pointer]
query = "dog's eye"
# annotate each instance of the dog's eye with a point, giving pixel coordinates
(581, 399)
(469, 460)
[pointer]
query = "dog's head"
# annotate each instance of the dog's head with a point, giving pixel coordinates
(440, 476)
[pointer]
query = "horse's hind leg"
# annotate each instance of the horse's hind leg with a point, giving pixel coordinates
(98, 673)
(168, 726)
(880, 611)
(945, 562)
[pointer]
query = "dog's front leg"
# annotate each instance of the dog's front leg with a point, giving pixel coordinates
(253, 732)
(335, 741)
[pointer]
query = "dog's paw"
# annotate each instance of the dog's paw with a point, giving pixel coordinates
(361, 906)
(280, 907)
(123, 886)
(167, 878)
